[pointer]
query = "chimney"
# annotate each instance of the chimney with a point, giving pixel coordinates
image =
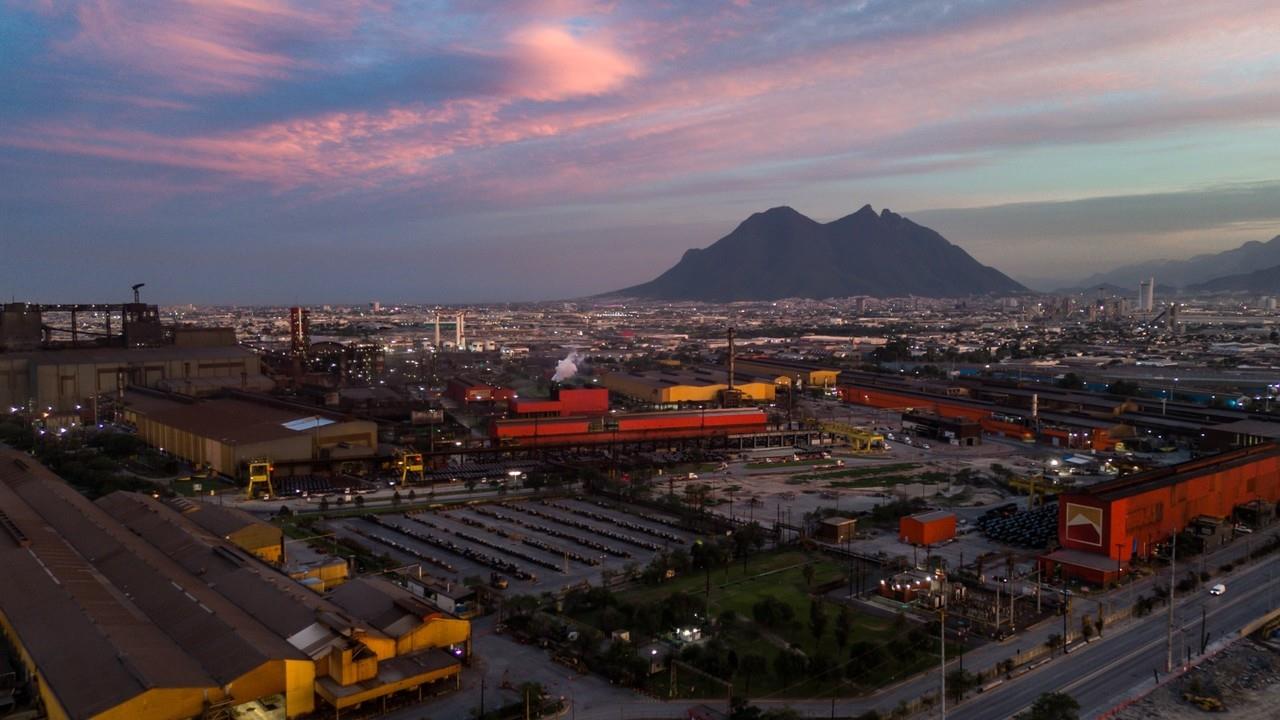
(437, 332)
(731, 361)
(457, 331)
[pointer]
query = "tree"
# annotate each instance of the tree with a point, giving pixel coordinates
(1054, 641)
(284, 511)
(1071, 381)
(750, 666)
(471, 483)
(395, 498)
(1086, 627)
(808, 574)
(412, 495)
(1124, 388)
(817, 618)
(960, 682)
(788, 666)
(359, 501)
(1053, 706)
(844, 626)
(864, 657)
(324, 504)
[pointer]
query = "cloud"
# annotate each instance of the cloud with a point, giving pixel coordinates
(555, 64)
(626, 112)
(203, 46)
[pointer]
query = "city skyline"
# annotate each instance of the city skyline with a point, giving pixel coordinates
(260, 150)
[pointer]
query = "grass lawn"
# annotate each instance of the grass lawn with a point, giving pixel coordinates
(781, 576)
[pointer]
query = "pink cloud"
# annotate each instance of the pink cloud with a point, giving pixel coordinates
(201, 46)
(555, 64)
(1074, 74)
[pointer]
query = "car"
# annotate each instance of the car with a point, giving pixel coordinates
(1218, 589)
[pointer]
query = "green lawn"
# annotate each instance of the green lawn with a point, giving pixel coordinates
(781, 576)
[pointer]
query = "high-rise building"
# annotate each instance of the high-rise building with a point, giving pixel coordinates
(1147, 295)
(299, 330)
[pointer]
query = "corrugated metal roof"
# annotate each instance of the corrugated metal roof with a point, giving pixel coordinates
(228, 420)
(95, 646)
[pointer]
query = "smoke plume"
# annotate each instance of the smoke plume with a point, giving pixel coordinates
(568, 367)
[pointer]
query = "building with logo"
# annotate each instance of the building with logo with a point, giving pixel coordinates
(1102, 528)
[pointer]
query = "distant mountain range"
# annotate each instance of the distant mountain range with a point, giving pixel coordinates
(1194, 271)
(781, 253)
(1264, 281)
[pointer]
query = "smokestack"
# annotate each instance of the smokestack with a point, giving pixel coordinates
(731, 359)
(437, 332)
(457, 331)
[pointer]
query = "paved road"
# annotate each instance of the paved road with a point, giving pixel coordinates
(1104, 673)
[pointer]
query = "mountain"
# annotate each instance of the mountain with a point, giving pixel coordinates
(1264, 281)
(1201, 268)
(781, 253)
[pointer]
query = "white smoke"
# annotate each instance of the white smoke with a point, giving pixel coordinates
(568, 367)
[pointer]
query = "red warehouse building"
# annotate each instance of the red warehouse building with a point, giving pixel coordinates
(564, 402)
(658, 426)
(1103, 527)
(927, 528)
(466, 390)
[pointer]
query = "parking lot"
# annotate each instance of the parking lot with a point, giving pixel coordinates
(533, 546)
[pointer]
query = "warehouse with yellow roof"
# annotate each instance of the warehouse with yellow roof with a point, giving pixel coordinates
(126, 608)
(688, 386)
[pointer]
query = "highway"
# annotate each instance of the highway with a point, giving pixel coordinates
(1105, 672)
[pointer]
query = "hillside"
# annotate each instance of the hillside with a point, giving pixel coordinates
(781, 253)
(1199, 269)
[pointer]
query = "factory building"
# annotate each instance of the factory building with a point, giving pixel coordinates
(57, 357)
(110, 627)
(954, 430)
(227, 431)
(1057, 429)
(564, 402)
(629, 427)
(679, 388)
(63, 379)
(784, 372)
(1105, 526)
(357, 650)
(260, 539)
(465, 390)
(927, 528)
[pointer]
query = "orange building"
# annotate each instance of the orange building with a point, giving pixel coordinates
(927, 528)
(1107, 525)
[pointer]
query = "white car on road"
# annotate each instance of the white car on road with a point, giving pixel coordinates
(1218, 589)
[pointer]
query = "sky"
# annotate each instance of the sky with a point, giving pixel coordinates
(267, 151)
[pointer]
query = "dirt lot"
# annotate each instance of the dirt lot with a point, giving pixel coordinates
(1245, 678)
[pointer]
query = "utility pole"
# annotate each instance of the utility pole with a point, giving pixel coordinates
(942, 638)
(1204, 639)
(1173, 560)
(1066, 613)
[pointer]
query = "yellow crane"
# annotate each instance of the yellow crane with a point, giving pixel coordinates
(410, 463)
(860, 439)
(1033, 486)
(259, 477)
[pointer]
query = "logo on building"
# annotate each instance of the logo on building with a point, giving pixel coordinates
(1084, 524)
